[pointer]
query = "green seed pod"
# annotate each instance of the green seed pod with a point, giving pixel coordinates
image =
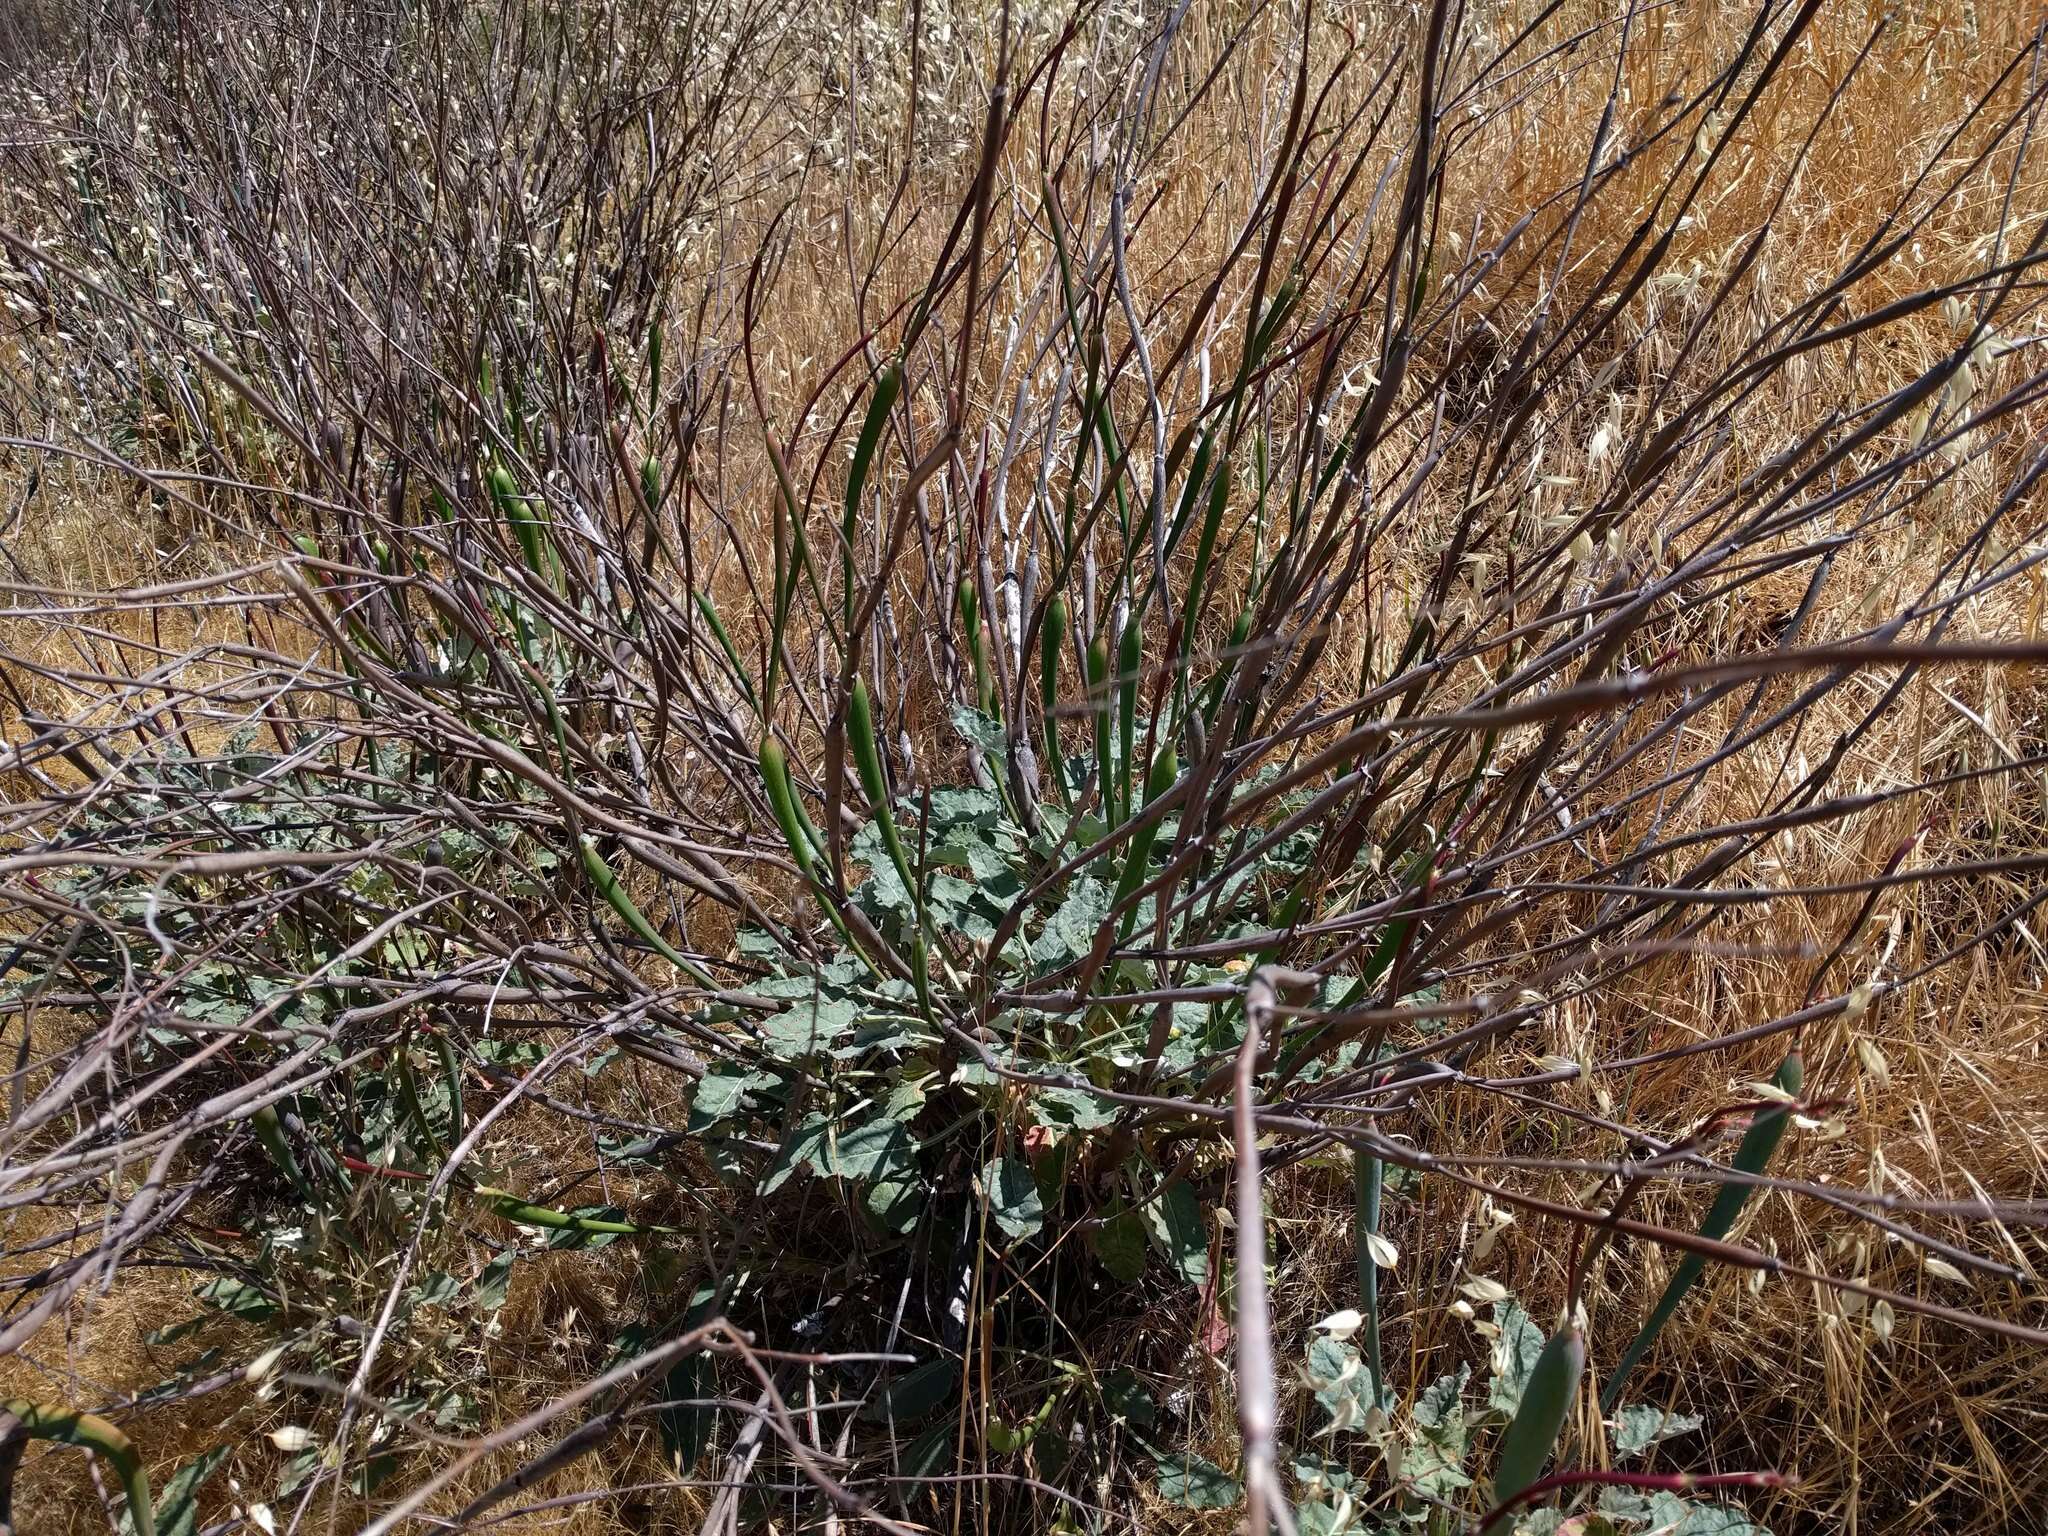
(1276, 314)
(867, 758)
(886, 389)
(1368, 1179)
(606, 883)
(415, 1107)
(860, 730)
(1130, 656)
(1050, 640)
(887, 386)
(1205, 549)
(970, 620)
(1240, 631)
(1098, 703)
(308, 545)
(503, 1202)
(451, 1070)
(518, 512)
(782, 801)
(724, 639)
(270, 1132)
(1165, 769)
(1546, 1403)
(650, 481)
(1420, 290)
(1098, 664)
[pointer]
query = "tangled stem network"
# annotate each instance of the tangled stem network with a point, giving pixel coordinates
(877, 729)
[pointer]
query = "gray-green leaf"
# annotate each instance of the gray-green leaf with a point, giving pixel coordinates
(1197, 1483)
(1638, 1426)
(177, 1507)
(1072, 1109)
(1013, 1199)
(1670, 1515)
(1120, 1241)
(1443, 1400)
(914, 1394)
(978, 730)
(722, 1092)
(875, 1149)
(1515, 1350)
(1174, 1222)
(811, 1026)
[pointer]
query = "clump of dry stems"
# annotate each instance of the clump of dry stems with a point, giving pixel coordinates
(798, 682)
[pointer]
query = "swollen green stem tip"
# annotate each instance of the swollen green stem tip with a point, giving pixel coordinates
(1532, 1434)
(1165, 769)
(1051, 640)
(782, 802)
(605, 881)
(502, 1202)
(970, 621)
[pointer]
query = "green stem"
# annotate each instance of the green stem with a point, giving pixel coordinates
(1369, 1177)
(92, 1433)
(1751, 1157)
